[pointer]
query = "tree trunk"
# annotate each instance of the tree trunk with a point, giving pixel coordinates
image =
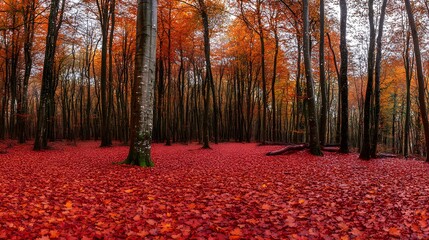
(29, 21)
(312, 121)
(377, 81)
(324, 104)
(143, 85)
(408, 75)
(103, 11)
(209, 84)
(48, 80)
(344, 145)
(110, 106)
(365, 152)
(420, 76)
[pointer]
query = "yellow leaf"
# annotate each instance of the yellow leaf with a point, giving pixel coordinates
(68, 205)
(264, 185)
(394, 232)
(129, 191)
(301, 201)
(150, 198)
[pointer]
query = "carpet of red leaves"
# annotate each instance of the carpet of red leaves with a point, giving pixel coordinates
(232, 191)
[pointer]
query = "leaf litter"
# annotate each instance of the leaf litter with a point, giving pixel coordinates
(233, 191)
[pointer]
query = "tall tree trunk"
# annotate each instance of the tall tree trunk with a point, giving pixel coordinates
(110, 106)
(420, 76)
(273, 84)
(143, 85)
(377, 81)
(103, 12)
(169, 83)
(365, 152)
(208, 78)
(29, 22)
(324, 100)
(408, 76)
(312, 121)
(338, 120)
(299, 105)
(48, 81)
(344, 144)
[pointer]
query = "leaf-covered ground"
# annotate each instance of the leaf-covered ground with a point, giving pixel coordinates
(233, 191)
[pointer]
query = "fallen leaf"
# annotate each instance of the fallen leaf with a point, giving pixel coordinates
(394, 232)
(266, 207)
(151, 222)
(54, 234)
(68, 205)
(356, 232)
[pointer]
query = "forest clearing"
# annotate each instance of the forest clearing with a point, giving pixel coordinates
(214, 119)
(232, 191)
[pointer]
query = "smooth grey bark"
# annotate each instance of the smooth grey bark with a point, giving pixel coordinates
(312, 121)
(143, 87)
(420, 76)
(324, 100)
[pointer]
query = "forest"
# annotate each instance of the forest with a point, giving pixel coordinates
(256, 119)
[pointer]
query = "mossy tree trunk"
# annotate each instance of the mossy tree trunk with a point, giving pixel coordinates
(142, 91)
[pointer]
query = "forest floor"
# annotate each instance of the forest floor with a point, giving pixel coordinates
(232, 191)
